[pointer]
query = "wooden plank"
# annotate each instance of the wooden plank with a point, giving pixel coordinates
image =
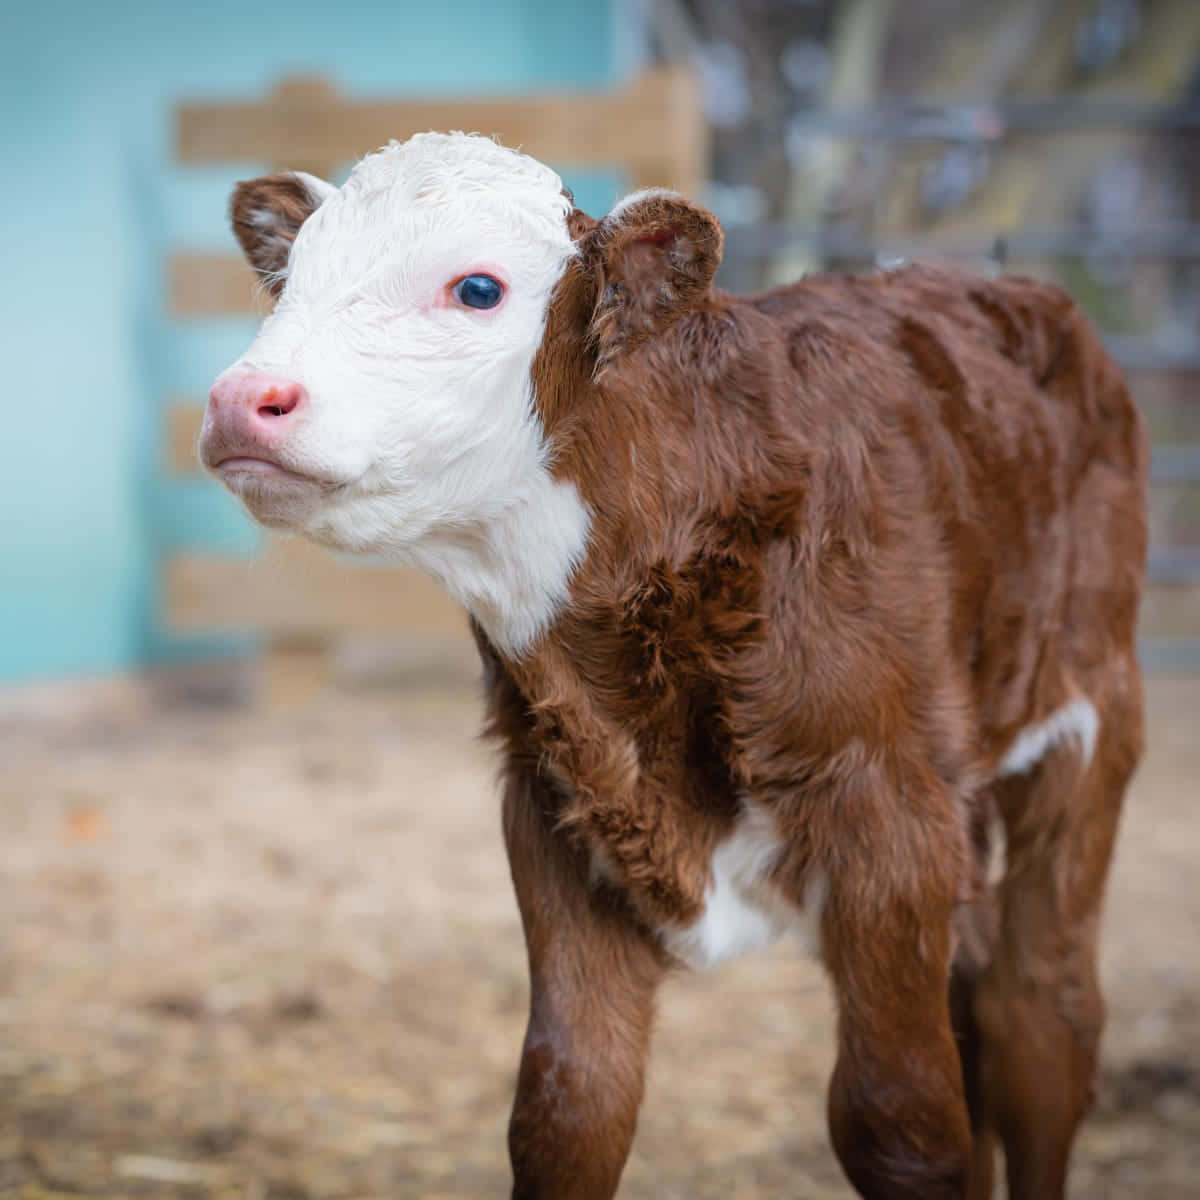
(654, 126)
(293, 671)
(296, 590)
(209, 285)
(182, 431)
(679, 150)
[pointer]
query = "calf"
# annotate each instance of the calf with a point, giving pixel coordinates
(785, 604)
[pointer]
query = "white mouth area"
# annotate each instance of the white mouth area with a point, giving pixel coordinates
(249, 467)
(274, 495)
(259, 467)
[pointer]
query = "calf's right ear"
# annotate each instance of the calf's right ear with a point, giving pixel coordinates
(266, 215)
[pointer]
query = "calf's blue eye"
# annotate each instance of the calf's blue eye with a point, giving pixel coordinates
(479, 291)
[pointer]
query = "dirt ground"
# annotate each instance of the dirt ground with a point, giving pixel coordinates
(275, 957)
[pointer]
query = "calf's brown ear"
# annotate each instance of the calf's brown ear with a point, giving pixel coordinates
(266, 215)
(656, 256)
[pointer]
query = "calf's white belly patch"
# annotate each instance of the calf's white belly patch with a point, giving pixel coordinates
(743, 911)
(1077, 719)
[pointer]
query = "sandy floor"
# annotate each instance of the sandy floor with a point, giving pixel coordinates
(276, 957)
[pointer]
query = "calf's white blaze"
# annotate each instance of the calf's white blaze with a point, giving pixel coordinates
(743, 910)
(421, 411)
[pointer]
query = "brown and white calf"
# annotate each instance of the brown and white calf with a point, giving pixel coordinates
(783, 601)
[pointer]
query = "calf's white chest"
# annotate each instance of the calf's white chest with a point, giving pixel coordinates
(743, 909)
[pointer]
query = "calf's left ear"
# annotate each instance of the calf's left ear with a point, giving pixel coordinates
(266, 215)
(656, 256)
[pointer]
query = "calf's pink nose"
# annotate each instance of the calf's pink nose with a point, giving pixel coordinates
(258, 404)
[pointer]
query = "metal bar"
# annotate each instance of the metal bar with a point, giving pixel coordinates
(902, 121)
(1173, 564)
(761, 241)
(1168, 655)
(1143, 354)
(1175, 463)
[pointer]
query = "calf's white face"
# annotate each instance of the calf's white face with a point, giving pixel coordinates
(385, 405)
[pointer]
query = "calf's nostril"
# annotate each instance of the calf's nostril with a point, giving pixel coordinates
(278, 401)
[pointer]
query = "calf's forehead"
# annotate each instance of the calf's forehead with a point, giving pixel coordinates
(437, 195)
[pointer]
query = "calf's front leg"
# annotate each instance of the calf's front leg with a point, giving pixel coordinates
(593, 976)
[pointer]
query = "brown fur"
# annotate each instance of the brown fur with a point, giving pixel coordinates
(849, 537)
(285, 200)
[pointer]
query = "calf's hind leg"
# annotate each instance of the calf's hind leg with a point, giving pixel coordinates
(1038, 1005)
(973, 952)
(897, 1111)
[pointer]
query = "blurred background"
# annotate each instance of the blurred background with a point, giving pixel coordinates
(257, 935)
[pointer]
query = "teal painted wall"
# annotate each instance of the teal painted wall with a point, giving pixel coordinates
(91, 203)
